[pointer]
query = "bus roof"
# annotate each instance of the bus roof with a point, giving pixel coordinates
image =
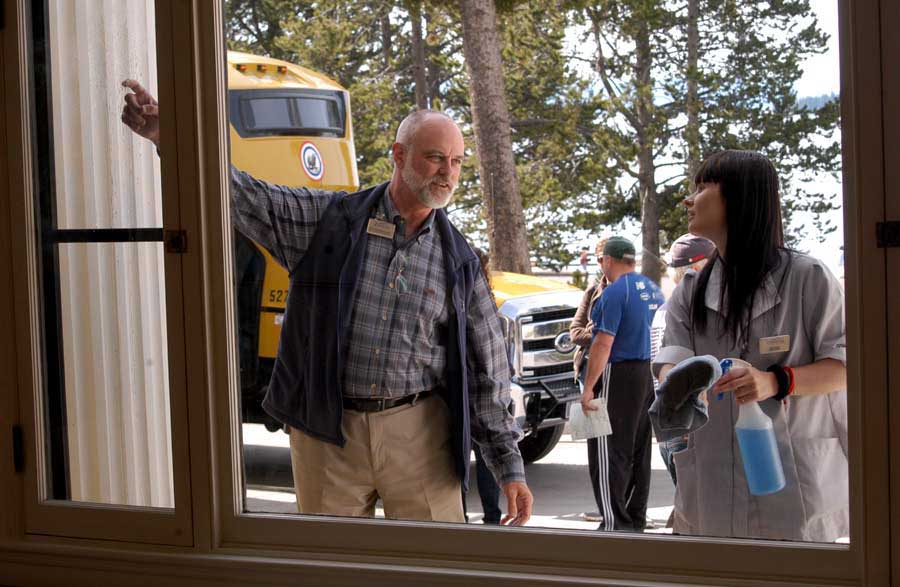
(264, 72)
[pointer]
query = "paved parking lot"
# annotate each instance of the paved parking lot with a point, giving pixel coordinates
(559, 482)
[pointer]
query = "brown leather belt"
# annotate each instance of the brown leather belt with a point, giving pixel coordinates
(372, 404)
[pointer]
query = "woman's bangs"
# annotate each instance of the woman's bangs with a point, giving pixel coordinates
(711, 170)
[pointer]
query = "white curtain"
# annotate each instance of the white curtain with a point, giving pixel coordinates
(112, 295)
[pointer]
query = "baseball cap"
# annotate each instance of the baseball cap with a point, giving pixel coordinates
(619, 247)
(689, 249)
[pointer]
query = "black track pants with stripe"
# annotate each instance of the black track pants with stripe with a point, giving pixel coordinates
(619, 464)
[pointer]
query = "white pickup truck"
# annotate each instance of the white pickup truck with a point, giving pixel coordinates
(536, 313)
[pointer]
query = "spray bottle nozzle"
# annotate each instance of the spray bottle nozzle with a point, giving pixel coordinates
(726, 365)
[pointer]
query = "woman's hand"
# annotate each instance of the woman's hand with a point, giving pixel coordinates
(748, 384)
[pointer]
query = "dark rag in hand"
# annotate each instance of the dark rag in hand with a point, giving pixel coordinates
(677, 409)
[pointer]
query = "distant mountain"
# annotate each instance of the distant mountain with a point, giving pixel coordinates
(814, 102)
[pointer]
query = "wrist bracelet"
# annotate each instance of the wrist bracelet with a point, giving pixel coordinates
(790, 373)
(785, 381)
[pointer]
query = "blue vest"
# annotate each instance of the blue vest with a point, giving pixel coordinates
(305, 391)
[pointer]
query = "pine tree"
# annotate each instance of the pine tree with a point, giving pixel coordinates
(254, 26)
(684, 81)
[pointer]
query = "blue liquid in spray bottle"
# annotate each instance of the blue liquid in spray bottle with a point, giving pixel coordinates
(759, 450)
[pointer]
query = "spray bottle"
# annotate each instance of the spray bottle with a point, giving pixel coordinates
(756, 439)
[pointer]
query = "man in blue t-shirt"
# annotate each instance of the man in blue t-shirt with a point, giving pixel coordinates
(619, 373)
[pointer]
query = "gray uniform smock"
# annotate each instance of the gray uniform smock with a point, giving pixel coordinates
(803, 301)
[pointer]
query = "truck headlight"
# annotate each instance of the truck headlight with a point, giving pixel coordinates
(509, 336)
(517, 407)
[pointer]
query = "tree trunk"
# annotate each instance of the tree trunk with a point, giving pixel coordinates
(692, 129)
(386, 40)
(434, 72)
(650, 264)
(418, 50)
(490, 118)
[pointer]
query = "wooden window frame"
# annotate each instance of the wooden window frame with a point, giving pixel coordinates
(63, 518)
(228, 544)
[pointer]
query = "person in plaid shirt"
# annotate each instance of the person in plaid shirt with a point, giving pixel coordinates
(391, 358)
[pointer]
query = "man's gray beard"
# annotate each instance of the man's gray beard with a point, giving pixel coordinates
(423, 194)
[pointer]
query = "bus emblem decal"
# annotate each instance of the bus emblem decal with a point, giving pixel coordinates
(312, 161)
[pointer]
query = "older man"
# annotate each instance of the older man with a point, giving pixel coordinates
(391, 356)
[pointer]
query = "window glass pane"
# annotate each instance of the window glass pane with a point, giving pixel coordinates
(269, 113)
(609, 124)
(104, 178)
(318, 113)
(116, 441)
(106, 416)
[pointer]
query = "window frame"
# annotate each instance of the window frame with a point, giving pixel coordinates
(64, 518)
(891, 156)
(228, 543)
(722, 558)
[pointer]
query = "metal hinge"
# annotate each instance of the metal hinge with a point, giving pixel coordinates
(18, 449)
(175, 241)
(887, 234)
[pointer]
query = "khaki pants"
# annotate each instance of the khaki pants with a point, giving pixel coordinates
(401, 455)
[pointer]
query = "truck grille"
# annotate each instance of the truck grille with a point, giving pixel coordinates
(551, 370)
(537, 345)
(554, 315)
(538, 333)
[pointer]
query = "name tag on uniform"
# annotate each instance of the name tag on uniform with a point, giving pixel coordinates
(774, 344)
(381, 228)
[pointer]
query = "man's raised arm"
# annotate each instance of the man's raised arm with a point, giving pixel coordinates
(280, 218)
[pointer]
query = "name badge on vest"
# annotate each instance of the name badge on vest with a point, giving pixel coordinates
(381, 228)
(774, 344)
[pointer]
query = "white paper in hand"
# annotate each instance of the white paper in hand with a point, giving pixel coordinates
(591, 425)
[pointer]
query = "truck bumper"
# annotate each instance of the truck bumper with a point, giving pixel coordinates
(543, 404)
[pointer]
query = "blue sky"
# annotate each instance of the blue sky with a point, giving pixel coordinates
(822, 76)
(821, 72)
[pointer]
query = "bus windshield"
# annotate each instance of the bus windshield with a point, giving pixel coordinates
(289, 112)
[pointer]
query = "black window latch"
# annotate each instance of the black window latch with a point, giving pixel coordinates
(175, 241)
(18, 449)
(887, 234)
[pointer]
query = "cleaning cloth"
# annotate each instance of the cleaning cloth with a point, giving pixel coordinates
(677, 409)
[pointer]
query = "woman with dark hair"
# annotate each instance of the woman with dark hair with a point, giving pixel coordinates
(782, 312)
